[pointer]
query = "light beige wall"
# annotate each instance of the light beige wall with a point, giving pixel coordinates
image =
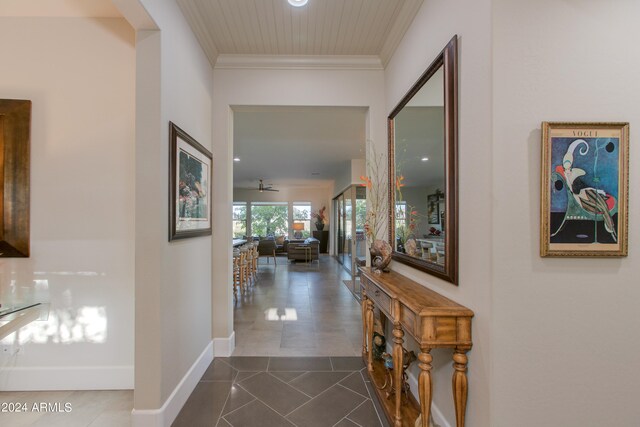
(173, 279)
(565, 331)
(348, 174)
(433, 26)
(80, 76)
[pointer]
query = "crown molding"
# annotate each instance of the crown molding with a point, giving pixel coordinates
(299, 62)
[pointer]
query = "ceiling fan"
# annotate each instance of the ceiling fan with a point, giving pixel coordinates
(261, 187)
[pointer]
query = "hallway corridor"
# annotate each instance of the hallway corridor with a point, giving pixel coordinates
(298, 309)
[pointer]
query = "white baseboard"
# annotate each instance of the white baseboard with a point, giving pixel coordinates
(223, 347)
(66, 378)
(164, 416)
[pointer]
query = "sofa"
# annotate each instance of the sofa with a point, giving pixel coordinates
(297, 250)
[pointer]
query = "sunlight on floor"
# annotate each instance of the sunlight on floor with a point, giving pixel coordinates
(290, 314)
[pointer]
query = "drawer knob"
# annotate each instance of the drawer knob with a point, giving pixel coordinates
(377, 293)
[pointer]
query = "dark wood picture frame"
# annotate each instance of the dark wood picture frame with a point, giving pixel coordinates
(15, 128)
(185, 226)
(448, 59)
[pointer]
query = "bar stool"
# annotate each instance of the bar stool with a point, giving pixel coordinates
(236, 282)
(248, 264)
(254, 263)
(243, 269)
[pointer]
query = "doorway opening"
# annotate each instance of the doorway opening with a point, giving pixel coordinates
(290, 163)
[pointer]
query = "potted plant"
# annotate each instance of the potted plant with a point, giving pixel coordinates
(320, 217)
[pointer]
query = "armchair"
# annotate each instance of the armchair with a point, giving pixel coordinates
(267, 248)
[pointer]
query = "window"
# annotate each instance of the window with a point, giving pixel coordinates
(302, 213)
(239, 220)
(401, 220)
(269, 219)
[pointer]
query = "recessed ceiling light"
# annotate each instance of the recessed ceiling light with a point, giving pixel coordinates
(424, 159)
(297, 3)
(236, 159)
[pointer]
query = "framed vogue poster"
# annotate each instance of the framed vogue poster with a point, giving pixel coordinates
(189, 186)
(585, 189)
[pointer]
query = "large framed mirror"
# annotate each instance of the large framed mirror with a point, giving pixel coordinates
(423, 128)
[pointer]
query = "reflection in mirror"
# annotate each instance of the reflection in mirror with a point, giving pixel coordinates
(423, 170)
(419, 170)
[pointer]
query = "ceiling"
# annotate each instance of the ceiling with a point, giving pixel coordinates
(322, 27)
(286, 145)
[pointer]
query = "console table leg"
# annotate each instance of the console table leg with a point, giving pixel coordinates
(369, 329)
(460, 385)
(364, 324)
(424, 384)
(398, 334)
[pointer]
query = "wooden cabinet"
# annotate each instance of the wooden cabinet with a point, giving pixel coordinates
(323, 236)
(433, 321)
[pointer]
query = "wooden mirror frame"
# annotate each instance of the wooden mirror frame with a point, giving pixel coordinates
(15, 127)
(448, 59)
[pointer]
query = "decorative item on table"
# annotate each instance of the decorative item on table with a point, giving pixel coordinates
(320, 217)
(377, 193)
(584, 189)
(380, 256)
(298, 227)
(408, 357)
(434, 232)
(379, 342)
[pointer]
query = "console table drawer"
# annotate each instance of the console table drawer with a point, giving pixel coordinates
(380, 298)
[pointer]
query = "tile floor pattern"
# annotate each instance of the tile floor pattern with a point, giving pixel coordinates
(283, 392)
(298, 309)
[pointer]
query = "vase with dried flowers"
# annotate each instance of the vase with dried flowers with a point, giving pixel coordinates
(320, 217)
(377, 197)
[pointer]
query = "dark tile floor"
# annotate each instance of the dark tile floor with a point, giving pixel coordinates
(283, 391)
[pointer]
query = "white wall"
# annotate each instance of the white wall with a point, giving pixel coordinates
(349, 174)
(565, 331)
(434, 25)
(302, 87)
(173, 280)
(80, 75)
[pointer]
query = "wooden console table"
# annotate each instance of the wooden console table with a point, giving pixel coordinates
(434, 321)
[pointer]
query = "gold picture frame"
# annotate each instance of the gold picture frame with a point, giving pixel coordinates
(584, 189)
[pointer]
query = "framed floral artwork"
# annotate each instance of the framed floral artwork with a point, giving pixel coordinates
(585, 188)
(189, 186)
